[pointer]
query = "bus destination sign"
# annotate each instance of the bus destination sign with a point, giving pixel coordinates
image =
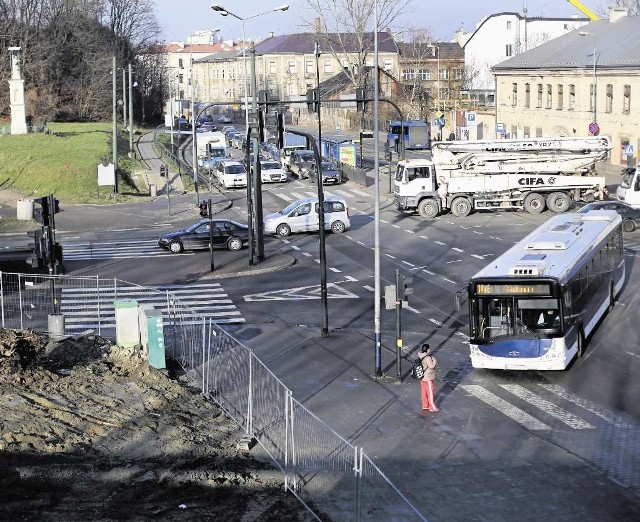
(512, 289)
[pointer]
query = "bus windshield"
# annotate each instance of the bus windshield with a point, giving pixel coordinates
(507, 316)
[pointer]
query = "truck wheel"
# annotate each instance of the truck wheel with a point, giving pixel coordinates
(558, 202)
(534, 203)
(428, 208)
(461, 207)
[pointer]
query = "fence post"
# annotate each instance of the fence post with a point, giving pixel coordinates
(287, 422)
(250, 397)
(358, 476)
(204, 341)
(2, 297)
(20, 300)
(98, 297)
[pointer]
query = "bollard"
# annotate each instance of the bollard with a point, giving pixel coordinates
(24, 210)
(55, 326)
(153, 191)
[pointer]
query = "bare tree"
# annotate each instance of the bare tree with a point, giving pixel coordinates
(346, 28)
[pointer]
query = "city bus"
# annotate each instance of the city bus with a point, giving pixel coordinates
(416, 135)
(534, 307)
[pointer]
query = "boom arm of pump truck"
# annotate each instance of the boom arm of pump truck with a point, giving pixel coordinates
(588, 13)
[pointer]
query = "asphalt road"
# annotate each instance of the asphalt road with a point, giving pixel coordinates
(558, 444)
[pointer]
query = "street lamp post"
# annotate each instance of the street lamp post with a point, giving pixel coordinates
(594, 85)
(226, 12)
(376, 170)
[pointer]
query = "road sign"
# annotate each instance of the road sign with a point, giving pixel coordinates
(439, 114)
(439, 122)
(499, 127)
(471, 117)
(594, 128)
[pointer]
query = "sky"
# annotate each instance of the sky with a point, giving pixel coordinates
(441, 17)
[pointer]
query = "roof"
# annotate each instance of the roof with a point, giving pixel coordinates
(527, 18)
(425, 51)
(304, 43)
(617, 45)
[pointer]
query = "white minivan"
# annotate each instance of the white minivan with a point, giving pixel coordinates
(231, 174)
(302, 216)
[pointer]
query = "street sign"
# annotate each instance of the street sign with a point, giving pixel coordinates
(471, 117)
(439, 122)
(594, 128)
(499, 127)
(439, 114)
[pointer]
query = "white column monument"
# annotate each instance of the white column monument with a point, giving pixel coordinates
(16, 95)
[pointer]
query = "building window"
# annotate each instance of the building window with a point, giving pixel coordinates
(508, 25)
(514, 132)
(180, 63)
(387, 64)
(609, 101)
(424, 74)
(538, 132)
(409, 74)
(592, 97)
(527, 96)
(291, 67)
(443, 74)
(626, 100)
(328, 66)
(514, 95)
(181, 78)
(458, 73)
(539, 96)
(560, 97)
(526, 133)
(308, 67)
(549, 96)
(508, 50)
(572, 97)
(272, 67)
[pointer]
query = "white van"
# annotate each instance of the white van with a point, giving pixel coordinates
(302, 216)
(286, 153)
(231, 174)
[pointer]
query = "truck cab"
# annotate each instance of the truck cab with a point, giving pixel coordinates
(629, 189)
(416, 188)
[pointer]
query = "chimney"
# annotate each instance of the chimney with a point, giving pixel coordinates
(271, 34)
(615, 13)
(318, 26)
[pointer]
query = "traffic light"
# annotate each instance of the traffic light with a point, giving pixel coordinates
(312, 100)
(361, 104)
(405, 288)
(204, 209)
(261, 125)
(280, 130)
(38, 245)
(163, 170)
(43, 215)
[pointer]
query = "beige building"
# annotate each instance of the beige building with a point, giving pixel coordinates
(549, 91)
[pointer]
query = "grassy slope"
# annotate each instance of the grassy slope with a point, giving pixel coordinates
(64, 163)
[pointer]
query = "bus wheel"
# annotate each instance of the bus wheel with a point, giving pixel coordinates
(612, 297)
(461, 207)
(629, 225)
(558, 202)
(534, 203)
(428, 208)
(581, 343)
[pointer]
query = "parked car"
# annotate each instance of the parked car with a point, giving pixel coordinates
(231, 173)
(272, 171)
(223, 119)
(301, 161)
(630, 216)
(237, 139)
(330, 175)
(302, 216)
(226, 233)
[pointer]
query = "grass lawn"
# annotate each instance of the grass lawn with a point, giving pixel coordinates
(64, 163)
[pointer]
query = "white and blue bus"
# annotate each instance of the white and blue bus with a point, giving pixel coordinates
(533, 307)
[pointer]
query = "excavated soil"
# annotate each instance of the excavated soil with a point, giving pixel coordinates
(88, 431)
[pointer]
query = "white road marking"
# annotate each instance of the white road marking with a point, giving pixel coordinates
(439, 243)
(427, 271)
(457, 249)
(548, 407)
(476, 232)
(307, 254)
(477, 256)
(395, 226)
(448, 280)
(360, 243)
(587, 405)
(409, 231)
(334, 269)
(435, 321)
(504, 407)
(424, 237)
(389, 255)
(370, 288)
(349, 278)
(301, 293)
(407, 263)
(294, 247)
(411, 309)
(454, 261)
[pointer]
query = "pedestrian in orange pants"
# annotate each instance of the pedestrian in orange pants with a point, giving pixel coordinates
(427, 385)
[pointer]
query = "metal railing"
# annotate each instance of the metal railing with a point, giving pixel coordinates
(320, 467)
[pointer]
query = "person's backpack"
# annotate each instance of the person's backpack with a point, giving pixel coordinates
(417, 370)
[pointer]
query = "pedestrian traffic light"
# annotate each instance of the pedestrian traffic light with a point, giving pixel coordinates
(280, 130)
(43, 214)
(405, 288)
(261, 125)
(361, 104)
(39, 247)
(204, 209)
(312, 100)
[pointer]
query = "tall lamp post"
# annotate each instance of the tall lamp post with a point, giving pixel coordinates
(225, 12)
(376, 169)
(594, 85)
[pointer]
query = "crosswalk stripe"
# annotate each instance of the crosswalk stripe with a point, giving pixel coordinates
(587, 405)
(505, 407)
(548, 407)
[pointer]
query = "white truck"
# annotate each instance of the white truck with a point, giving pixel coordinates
(210, 145)
(528, 174)
(629, 189)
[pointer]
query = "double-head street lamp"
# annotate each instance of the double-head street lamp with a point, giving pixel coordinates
(226, 12)
(594, 87)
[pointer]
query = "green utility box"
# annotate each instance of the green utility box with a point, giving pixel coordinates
(127, 331)
(152, 336)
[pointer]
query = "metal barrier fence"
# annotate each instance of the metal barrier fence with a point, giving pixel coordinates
(319, 466)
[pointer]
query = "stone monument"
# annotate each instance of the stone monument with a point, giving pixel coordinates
(16, 94)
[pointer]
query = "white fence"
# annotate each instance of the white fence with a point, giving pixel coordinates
(320, 467)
